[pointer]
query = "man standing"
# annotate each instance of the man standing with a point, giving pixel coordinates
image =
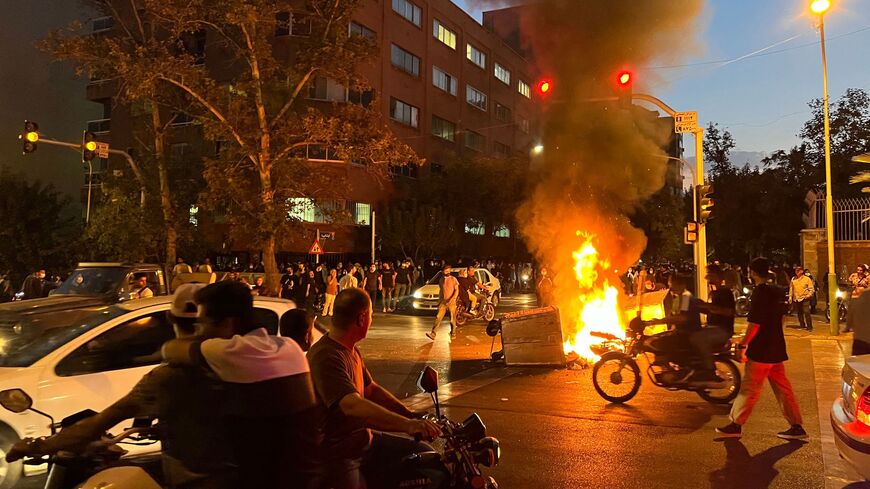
(180, 268)
(449, 293)
(356, 411)
(287, 282)
(348, 282)
(33, 285)
(388, 282)
(800, 291)
(372, 282)
(404, 280)
(765, 354)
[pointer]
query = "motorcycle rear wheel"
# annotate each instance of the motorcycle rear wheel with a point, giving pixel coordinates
(461, 315)
(489, 312)
(612, 372)
(727, 370)
(741, 307)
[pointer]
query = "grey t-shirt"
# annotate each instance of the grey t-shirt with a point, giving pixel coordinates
(338, 371)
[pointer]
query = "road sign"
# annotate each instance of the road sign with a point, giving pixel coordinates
(102, 150)
(685, 122)
(316, 249)
(327, 235)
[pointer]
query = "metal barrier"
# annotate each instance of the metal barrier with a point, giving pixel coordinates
(851, 218)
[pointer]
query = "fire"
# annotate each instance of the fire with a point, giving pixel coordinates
(597, 306)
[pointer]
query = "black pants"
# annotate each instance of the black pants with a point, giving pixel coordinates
(382, 458)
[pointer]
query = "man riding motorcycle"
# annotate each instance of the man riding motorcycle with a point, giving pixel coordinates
(355, 410)
(474, 288)
(720, 323)
(194, 451)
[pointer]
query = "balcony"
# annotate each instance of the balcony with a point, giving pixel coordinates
(99, 126)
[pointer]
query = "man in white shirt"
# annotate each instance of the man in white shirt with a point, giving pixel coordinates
(800, 291)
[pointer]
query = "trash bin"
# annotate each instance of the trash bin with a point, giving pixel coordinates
(533, 337)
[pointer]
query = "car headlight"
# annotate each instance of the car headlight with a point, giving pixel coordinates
(525, 277)
(418, 294)
(839, 294)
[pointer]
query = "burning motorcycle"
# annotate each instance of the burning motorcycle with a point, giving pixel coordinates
(616, 375)
(485, 309)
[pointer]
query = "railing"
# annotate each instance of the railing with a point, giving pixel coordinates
(851, 218)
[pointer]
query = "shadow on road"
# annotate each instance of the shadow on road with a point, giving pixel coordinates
(750, 471)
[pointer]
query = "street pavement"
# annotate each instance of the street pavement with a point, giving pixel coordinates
(556, 432)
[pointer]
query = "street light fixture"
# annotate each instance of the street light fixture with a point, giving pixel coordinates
(819, 7)
(538, 149)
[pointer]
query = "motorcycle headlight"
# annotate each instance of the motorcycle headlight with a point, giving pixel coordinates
(745, 290)
(525, 277)
(839, 294)
(418, 294)
(488, 452)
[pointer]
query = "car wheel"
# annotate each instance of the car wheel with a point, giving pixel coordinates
(9, 472)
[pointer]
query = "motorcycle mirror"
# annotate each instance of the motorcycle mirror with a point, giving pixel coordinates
(15, 400)
(428, 380)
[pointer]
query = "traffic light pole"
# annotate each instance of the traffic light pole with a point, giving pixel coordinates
(133, 166)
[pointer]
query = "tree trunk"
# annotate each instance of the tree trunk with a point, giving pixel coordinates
(169, 220)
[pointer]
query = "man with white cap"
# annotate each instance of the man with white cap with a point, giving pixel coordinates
(195, 453)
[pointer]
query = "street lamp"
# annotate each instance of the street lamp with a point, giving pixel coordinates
(538, 149)
(820, 7)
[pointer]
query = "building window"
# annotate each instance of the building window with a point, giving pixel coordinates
(474, 227)
(502, 112)
(361, 30)
(443, 129)
(524, 89)
(409, 170)
(323, 88)
(502, 231)
(403, 113)
(405, 61)
(475, 55)
(524, 125)
(475, 97)
(362, 214)
(474, 141)
(363, 98)
(502, 74)
(292, 24)
(103, 24)
(444, 34)
(501, 149)
(193, 215)
(444, 81)
(300, 209)
(409, 11)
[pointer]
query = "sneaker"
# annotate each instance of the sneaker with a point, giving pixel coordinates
(796, 432)
(732, 430)
(431, 335)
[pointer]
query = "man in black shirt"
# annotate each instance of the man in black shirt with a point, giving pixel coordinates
(720, 324)
(353, 405)
(765, 356)
(404, 280)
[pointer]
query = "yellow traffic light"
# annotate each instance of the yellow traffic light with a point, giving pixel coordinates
(704, 202)
(91, 145)
(32, 136)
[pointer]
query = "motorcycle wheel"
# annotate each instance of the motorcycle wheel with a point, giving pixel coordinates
(843, 312)
(727, 370)
(616, 378)
(461, 317)
(489, 312)
(741, 307)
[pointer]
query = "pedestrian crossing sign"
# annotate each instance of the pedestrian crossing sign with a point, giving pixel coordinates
(316, 249)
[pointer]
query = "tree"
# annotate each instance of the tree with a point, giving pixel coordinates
(120, 230)
(662, 217)
(37, 229)
(415, 230)
(258, 108)
(718, 144)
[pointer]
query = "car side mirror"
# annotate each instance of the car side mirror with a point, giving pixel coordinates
(15, 400)
(428, 380)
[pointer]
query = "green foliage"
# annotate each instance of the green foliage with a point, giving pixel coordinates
(662, 217)
(417, 230)
(36, 228)
(120, 230)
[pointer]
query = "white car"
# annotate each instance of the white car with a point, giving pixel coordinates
(850, 415)
(427, 297)
(85, 358)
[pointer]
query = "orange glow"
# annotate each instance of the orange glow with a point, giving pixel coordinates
(32, 136)
(624, 78)
(545, 87)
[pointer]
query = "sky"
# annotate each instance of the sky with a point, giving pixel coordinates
(763, 100)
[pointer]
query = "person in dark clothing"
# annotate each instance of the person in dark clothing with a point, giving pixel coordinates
(34, 285)
(313, 290)
(465, 285)
(371, 282)
(720, 324)
(287, 282)
(404, 280)
(298, 325)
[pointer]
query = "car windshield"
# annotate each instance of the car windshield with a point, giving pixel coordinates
(437, 278)
(92, 281)
(26, 339)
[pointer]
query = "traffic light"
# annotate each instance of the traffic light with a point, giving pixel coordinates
(704, 197)
(544, 87)
(29, 137)
(624, 82)
(89, 146)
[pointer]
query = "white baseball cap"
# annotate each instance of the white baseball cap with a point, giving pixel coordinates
(183, 305)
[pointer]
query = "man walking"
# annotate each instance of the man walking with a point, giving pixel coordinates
(800, 291)
(449, 293)
(404, 279)
(765, 355)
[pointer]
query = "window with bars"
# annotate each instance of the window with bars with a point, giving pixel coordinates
(443, 129)
(403, 113)
(503, 113)
(409, 11)
(475, 97)
(404, 60)
(475, 55)
(475, 227)
(444, 80)
(501, 231)
(444, 34)
(502, 74)
(474, 141)
(524, 89)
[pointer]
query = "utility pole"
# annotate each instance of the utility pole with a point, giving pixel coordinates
(373, 236)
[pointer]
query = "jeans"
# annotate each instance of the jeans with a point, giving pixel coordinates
(754, 376)
(401, 291)
(388, 298)
(327, 304)
(443, 307)
(803, 314)
(382, 458)
(708, 341)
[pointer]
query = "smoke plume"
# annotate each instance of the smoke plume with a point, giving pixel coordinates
(600, 161)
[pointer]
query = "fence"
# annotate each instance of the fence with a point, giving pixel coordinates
(851, 218)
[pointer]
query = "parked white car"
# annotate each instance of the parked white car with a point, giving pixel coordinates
(85, 358)
(427, 297)
(850, 415)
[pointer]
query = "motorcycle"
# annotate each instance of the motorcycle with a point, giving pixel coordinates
(742, 301)
(99, 464)
(485, 309)
(842, 306)
(616, 375)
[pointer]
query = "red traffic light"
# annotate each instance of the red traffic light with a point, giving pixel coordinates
(624, 78)
(544, 87)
